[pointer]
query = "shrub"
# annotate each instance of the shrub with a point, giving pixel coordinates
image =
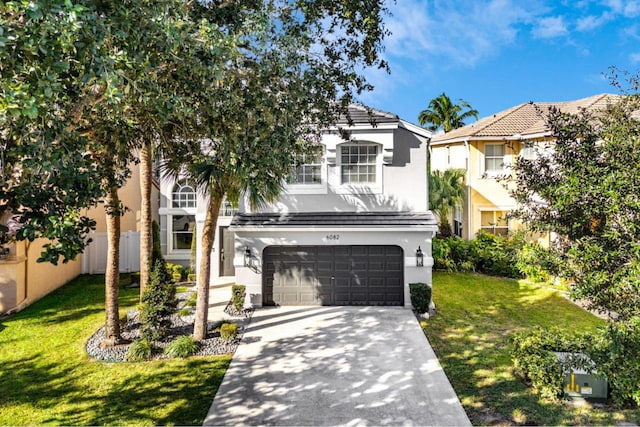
(497, 255)
(184, 312)
(183, 346)
(534, 359)
(139, 350)
(617, 354)
(158, 303)
(156, 253)
(237, 296)
(537, 263)
(228, 331)
(441, 253)
(420, 296)
(175, 271)
(461, 253)
(191, 301)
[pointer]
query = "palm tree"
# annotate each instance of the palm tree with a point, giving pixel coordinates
(446, 192)
(442, 113)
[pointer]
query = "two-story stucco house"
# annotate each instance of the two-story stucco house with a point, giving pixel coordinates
(351, 228)
(486, 149)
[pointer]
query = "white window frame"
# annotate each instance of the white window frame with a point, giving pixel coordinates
(457, 218)
(485, 157)
(170, 233)
(191, 199)
(528, 150)
(360, 187)
(313, 187)
(187, 209)
(491, 228)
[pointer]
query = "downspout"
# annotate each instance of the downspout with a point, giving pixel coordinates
(468, 179)
(428, 170)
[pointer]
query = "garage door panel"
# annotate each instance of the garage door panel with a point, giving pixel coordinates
(342, 266)
(325, 266)
(333, 275)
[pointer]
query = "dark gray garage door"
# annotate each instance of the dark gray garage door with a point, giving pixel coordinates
(333, 275)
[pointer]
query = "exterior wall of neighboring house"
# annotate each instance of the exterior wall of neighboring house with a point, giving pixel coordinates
(95, 255)
(487, 148)
(23, 280)
(487, 200)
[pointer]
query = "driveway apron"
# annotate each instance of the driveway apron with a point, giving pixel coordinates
(335, 366)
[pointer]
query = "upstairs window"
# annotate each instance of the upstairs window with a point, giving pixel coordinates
(528, 150)
(359, 164)
(183, 196)
(493, 158)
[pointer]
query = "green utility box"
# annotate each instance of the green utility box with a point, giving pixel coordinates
(580, 383)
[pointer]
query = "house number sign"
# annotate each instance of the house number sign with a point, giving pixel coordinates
(333, 237)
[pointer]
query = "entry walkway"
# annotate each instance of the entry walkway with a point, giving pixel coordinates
(335, 366)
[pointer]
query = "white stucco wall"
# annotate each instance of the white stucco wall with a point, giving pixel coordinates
(403, 183)
(257, 241)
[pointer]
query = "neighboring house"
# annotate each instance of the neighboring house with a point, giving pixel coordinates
(24, 281)
(486, 149)
(346, 231)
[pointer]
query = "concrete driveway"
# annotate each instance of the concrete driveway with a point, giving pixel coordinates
(335, 365)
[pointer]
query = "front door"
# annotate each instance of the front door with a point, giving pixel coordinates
(227, 252)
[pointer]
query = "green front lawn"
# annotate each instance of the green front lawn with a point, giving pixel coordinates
(46, 378)
(476, 314)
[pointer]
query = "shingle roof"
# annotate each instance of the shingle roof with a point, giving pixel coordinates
(361, 114)
(523, 119)
(334, 219)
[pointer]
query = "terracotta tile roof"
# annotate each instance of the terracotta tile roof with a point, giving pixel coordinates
(524, 119)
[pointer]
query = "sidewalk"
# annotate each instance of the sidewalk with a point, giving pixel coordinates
(219, 297)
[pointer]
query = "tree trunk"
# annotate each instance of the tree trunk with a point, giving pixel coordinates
(207, 240)
(112, 275)
(146, 243)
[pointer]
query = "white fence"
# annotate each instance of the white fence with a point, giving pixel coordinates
(94, 259)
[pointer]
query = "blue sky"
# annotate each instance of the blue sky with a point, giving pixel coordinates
(495, 54)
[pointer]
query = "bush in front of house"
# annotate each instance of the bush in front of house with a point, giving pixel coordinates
(420, 296)
(158, 303)
(496, 255)
(175, 271)
(156, 252)
(139, 350)
(534, 359)
(537, 263)
(228, 331)
(238, 293)
(183, 346)
(616, 352)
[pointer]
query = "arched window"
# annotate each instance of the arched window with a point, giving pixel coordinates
(183, 196)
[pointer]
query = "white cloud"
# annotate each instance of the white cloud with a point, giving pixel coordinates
(463, 32)
(634, 58)
(627, 8)
(632, 9)
(550, 27)
(592, 22)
